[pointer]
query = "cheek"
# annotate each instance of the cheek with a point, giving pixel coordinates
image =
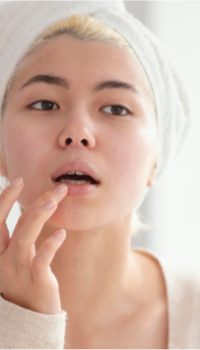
(132, 161)
(18, 148)
(23, 153)
(133, 154)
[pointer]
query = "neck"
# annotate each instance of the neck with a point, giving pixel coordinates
(94, 270)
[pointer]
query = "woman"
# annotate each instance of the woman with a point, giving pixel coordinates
(87, 126)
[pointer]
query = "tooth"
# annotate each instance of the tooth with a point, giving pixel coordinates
(75, 182)
(79, 173)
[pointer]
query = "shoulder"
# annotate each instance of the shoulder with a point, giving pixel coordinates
(182, 282)
(183, 294)
(182, 285)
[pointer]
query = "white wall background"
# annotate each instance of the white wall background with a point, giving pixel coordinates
(173, 205)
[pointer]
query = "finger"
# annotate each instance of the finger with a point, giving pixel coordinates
(34, 220)
(53, 194)
(8, 197)
(4, 238)
(47, 251)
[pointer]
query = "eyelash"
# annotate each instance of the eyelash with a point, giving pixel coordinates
(128, 112)
(43, 101)
(119, 106)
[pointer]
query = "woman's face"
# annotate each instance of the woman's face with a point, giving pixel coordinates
(122, 141)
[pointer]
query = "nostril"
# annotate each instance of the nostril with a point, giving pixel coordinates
(85, 142)
(68, 141)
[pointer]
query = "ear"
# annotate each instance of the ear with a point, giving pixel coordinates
(152, 176)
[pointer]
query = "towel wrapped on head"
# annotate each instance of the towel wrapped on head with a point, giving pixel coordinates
(30, 18)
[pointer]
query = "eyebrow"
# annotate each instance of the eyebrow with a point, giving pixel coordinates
(48, 79)
(58, 81)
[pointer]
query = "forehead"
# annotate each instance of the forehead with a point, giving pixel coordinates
(92, 60)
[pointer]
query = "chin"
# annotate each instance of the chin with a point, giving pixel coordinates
(72, 221)
(85, 220)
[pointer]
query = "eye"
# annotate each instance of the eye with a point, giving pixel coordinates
(116, 110)
(43, 105)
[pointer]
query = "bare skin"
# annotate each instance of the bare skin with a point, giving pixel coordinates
(34, 279)
(107, 289)
(146, 327)
(25, 276)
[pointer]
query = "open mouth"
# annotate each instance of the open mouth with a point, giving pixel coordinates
(76, 178)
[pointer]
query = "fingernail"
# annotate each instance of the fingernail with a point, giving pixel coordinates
(17, 182)
(49, 204)
(60, 235)
(61, 188)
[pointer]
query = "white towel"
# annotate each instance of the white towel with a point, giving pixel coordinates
(22, 21)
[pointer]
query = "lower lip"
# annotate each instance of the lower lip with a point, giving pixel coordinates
(82, 189)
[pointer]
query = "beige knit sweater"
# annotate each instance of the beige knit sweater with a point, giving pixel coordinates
(25, 329)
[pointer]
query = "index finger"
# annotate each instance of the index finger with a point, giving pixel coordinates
(33, 220)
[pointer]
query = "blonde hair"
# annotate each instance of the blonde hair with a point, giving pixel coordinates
(87, 29)
(82, 28)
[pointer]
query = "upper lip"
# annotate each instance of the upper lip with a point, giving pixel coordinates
(76, 166)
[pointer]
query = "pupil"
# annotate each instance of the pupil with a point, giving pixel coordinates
(47, 105)
(117, 109)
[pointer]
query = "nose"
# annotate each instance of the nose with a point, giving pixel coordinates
(77, 133)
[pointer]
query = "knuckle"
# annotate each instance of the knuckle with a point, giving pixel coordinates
(29, 217)
(6, 268)
(37, 266)
(37, 263)
(19, 246)
(22, 263)
(31, 214)
(49, 245)
(46, 197)
(21, 255)
(35, 214)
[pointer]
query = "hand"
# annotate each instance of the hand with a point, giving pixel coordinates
(26, 278)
